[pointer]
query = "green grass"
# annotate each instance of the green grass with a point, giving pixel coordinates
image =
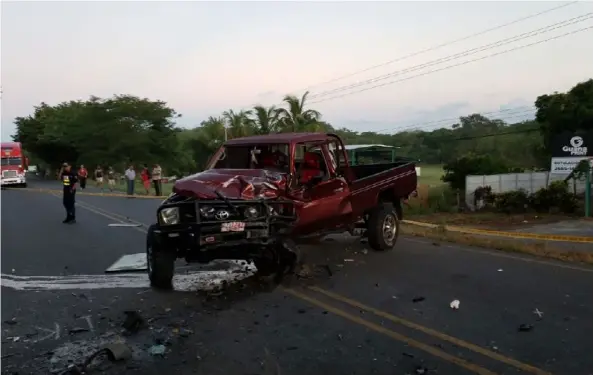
(139, 188)
(430, 174)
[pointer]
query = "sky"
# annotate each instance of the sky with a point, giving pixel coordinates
(206, 57)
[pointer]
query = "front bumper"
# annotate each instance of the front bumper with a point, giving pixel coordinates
(13, 181)
(196, 238)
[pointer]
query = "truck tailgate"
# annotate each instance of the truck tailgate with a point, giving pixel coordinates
(401, 179)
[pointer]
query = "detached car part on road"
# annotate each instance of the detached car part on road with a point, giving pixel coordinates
(260, 195)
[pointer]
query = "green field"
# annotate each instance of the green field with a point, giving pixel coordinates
(430, 174)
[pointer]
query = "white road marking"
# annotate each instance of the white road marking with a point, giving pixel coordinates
(190, 280)
(129, 262)
(204, 280)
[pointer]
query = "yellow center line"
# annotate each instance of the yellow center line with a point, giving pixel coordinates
(429, 331)
(392, 334)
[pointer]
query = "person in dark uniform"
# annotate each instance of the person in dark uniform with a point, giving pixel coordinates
(69, 179)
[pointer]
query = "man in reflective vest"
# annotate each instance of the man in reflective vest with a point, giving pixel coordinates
(69, 179)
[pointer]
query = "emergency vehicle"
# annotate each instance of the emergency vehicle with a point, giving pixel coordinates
(14, 164)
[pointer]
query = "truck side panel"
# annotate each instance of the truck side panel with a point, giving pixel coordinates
(401, 180)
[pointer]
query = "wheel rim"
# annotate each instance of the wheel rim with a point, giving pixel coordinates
(389, 229)
(149, 259)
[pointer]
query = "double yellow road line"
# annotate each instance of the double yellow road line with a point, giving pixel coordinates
(338, 305)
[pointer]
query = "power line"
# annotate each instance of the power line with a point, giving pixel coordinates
(441, 45)
(496, 134)
(456, 56)
(423, 125)
(454, 65)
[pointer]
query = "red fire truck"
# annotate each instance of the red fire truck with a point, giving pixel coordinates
(14, 164)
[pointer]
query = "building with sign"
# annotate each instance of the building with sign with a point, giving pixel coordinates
(568, 149)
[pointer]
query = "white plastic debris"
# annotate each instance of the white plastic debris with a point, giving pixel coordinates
(454, 304)
(500, 270)
(538, 313)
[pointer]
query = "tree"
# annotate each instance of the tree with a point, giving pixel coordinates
(560, 112)
(239, 124)
(266, 119)
(296, 118)
(111, 131)
(471, 164)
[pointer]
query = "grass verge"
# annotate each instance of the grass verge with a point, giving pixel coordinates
(538, 249)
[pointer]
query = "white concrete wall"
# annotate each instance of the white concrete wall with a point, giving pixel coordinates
(501, 183)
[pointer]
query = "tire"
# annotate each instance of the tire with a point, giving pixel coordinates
(383, 228)
(160, 264)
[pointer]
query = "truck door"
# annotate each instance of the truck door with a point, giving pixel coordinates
(326, 204)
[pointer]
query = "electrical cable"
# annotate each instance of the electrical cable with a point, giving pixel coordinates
(454, 65)
(456, 56)
(430, 49)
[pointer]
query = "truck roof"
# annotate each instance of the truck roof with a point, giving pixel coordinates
(10, 144)
(277, 138)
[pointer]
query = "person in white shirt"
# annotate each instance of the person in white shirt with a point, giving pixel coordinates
(130, 179)
(156, 179)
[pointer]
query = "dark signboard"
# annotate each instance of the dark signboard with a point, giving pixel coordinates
(572, 145)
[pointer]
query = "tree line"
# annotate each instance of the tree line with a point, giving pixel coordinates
(127, 129)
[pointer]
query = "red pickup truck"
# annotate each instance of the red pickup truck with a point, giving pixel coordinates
(260, 194)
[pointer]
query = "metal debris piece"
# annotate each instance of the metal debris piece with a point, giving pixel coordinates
(454, 304)
(525, 327)
(133, 321)
(77, 330)
(117, 351)
(123, 225)
(538, 313)
(157, 350)
(418, 299)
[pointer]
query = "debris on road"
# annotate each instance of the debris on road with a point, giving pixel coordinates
(525, 327)
(133, 322)
(10, 322)
(348, 260)
(418, 299)
(454, 304)
(538, 313)
(123, 225)
(500, 270)
(420, 370)
(76, 330)
(157, 350)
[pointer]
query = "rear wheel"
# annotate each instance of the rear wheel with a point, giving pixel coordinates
(160, 264)
(383, 228)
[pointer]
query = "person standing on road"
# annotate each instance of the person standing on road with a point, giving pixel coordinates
(131, 179)
(111, 178)
(145, 175)
(156, 179)
(69, 179)
(82, 176)
(99, 177)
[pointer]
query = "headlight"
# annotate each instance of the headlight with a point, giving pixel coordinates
(170, 216)
(251, 212)
(207, 212)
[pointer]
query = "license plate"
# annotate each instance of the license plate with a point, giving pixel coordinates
(235, 226)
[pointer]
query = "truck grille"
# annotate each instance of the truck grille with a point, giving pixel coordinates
(9, 174)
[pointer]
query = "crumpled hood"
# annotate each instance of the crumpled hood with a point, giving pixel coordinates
(233, 184)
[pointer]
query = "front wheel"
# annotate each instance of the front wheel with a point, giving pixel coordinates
(160, 264)
(383, 228)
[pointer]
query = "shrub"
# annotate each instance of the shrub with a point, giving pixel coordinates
(512, 201)
(484, 194)
(555, 197)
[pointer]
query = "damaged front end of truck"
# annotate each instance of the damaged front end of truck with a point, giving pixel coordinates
(220, 214)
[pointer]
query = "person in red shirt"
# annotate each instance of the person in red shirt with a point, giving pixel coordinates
(145, 175)
(83, 174)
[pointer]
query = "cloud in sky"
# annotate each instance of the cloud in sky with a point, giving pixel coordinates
(205, 57)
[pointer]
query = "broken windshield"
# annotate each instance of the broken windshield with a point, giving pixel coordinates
(266, 156)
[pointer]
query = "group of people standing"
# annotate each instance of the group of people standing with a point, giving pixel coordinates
(70, 179)
(149, 176)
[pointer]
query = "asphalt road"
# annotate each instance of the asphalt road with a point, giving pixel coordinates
(372, 313)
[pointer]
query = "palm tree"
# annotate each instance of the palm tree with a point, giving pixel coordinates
(266, 119)
(296, 118)
(238, 123)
